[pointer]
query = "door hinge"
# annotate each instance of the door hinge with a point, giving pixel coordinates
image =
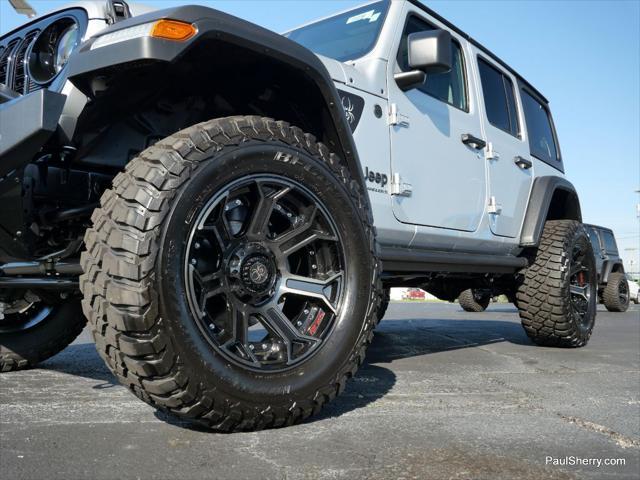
(396, 118)
(490, 153)
(494, 208)
(400, 188)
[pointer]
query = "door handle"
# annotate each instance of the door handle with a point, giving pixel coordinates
(473, 142)
(522, 163)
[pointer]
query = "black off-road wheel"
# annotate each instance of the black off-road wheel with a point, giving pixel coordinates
(231, 275)
(34, 328)
(472, 300)
(616, 294)
(557, 297)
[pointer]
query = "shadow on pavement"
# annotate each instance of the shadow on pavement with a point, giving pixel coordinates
(394, 340)
(399, 339)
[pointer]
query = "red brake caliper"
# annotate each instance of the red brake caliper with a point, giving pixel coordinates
(581, 279)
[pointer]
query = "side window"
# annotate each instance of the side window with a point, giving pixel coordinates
(595, 242)
(609, 242)
(499, 99)
(541, 139)
(449, 87)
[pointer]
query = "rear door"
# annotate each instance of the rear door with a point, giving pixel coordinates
(598, 251)
(509, 164)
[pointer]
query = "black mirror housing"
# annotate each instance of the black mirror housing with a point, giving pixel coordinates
(430, 51)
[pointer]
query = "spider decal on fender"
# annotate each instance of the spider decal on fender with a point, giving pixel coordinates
(353, 106)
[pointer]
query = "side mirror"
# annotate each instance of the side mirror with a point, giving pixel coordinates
(429, 53)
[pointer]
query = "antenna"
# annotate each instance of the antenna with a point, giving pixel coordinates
(23, 8)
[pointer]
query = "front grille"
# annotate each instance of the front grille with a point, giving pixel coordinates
(5, 60)
(20, 81)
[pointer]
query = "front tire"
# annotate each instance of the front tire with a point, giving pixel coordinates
(557, 298)
(187, 258)
(616, 294)
(474, 301)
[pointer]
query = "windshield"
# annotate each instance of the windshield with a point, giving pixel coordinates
(346, 36)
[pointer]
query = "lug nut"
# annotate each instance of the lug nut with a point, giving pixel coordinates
(194, 261)
(196, 245)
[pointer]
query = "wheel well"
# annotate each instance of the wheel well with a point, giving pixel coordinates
(617, 268)
(564, 206)
(142, 103)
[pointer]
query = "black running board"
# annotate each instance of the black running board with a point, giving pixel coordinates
(421, 261)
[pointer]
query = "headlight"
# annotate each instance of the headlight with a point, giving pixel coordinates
(68, 41)
(52, 49)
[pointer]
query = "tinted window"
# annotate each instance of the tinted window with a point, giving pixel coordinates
(541, 140)
(499, 99)
(609, 242)
(449, 87)
(595, 242)
(346, 36)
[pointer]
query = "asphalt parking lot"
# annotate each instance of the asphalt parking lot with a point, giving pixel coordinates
(444, 394)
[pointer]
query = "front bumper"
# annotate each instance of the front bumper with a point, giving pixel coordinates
(26, 123)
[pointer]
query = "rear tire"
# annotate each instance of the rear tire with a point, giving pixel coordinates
(557, 298)
(472, 301)
(385, 298)
(616, 294)
(27, 346)
(147, 242)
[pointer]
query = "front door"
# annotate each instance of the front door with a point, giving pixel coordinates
(447, 176)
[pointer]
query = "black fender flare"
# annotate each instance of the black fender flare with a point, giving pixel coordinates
(607, 268)
(87, 66)
(542, 194)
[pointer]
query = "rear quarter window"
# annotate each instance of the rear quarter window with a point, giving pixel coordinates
(609, 242)
(541, 138)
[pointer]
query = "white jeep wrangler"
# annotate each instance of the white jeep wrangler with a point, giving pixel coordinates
(229, 206)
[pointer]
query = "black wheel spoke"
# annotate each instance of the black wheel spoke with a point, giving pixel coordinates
(259, 221)
(210, 286)
(282, 326)
(302, 234)
(239, 324)
(220, 226)
(311, 288)
(580, 291)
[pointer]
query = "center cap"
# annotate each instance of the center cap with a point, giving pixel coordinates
(257, 273)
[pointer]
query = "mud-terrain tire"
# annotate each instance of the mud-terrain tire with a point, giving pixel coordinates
(134, 281)
(470, 302)
(29, 345)
(385, 298)
(616, 294)
(557, 297)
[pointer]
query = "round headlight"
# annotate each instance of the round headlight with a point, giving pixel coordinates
(66, 44)
(52, 49)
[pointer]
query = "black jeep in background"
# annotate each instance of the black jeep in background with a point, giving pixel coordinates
(613, 289)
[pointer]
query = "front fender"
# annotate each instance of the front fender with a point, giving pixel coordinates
(88, 67)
